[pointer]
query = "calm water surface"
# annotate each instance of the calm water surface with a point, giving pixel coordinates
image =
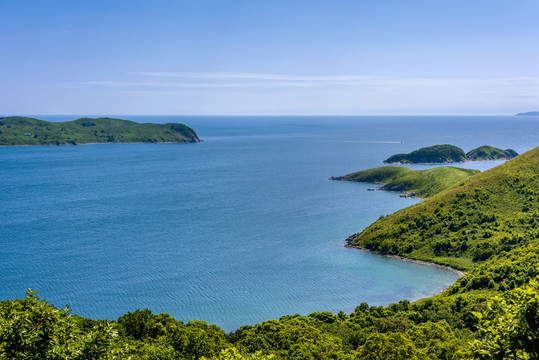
(238, 229)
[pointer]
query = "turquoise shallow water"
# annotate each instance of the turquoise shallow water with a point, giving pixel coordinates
(240, 228)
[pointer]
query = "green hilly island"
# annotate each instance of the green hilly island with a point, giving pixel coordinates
(490, 153)
(433, 154)
(18, 130)
(420, 183)
(486, 224)
(439, 154)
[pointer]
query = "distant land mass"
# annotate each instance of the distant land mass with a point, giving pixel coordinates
(529, 113)
(490, 153)
(19, 130)
(420, 183)
(432, 154)
(439, 154)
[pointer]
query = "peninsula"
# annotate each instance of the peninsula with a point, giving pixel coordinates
(18, 130)
(440, 154)
(417, 183)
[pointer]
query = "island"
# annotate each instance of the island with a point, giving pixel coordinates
(490, 153)
(19, 130)
(529, 113)
(441, 154)
(413, 183)
(432, 154)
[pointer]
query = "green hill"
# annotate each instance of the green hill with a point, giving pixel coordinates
(490, 153)
(490, 212)
(432, 154)
(421, 183)
(18, 130)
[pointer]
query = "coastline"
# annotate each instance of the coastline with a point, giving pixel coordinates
(349, 244)
(445, 162)
(117, 142)
(402, 194)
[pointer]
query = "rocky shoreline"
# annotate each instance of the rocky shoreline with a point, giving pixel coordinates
(349, 244)
(402, 194)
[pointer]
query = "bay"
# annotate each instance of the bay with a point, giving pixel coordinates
(235, 230)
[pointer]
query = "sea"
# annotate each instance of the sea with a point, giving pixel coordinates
(238, 229)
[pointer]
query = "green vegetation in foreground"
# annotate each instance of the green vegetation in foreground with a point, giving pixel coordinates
(487, 224)
(439, 154)
(18, 130)
(421, 183)
(490, 153)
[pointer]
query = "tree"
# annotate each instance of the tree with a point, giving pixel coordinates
(233, 354)
(509, 329)
(395, 346)
(31, 329)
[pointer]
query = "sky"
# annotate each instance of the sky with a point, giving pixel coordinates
(269, 57)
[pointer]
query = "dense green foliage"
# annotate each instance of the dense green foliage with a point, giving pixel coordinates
(487, 224)
(491, 212)
(18, 130)
(421, 183)
(449, 154)
(33, 329)
(427, 329)
(490, 153)
(432, 154)
(509, 329)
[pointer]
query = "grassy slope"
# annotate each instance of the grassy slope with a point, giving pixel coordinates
(422, 183)
(490, 153)
(491, 212)
(13, 131)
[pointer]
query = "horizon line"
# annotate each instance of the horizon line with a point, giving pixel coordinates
(258, 115)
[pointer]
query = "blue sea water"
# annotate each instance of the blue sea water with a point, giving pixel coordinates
(235, 230)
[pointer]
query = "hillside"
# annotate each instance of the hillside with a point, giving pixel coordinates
(420, 183)
(432, 154)
(18, 130)
(490, 212)
(490, 153)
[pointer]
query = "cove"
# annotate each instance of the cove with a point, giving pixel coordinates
(235, 230)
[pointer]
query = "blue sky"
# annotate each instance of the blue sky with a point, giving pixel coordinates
(269, 57)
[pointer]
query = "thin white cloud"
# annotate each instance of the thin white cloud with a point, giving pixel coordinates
(265, 79)
(378, 84)
(389, 83)
(347, 84)
(255, 76)
(257, 93)
(180, 85)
